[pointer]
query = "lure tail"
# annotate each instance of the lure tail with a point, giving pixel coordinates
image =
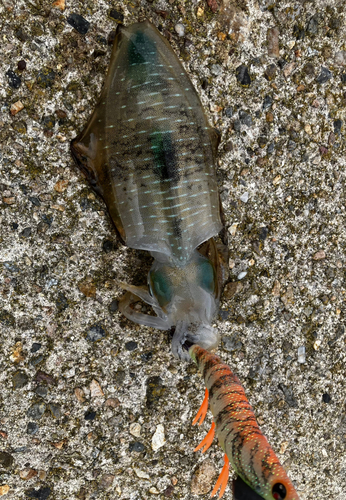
(260, 474)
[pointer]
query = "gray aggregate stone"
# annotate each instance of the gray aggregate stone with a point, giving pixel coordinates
(324, 75)
(36, 411)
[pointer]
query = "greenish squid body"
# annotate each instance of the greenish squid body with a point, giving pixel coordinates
(149, 152)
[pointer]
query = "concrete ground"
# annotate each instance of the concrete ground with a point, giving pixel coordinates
(95, 407)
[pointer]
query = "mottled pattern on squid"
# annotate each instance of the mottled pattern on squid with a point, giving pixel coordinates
(239, 435)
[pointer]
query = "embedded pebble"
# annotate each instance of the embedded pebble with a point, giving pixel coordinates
(78, 23)
(340, 58)
(244, 197)
(131, 345)
(270, 72)
(273, 42)
(16, 107)
(95, 389)
(41, 494)
(155, 390)
(301, 354)
(283, 447)
(32, 428)
(337, 126)
(135, 429)
(158, 439)
(90, 414)
(45, 78)
(326, 398)
(289, 68)
(41, 391)
(27, 474)
(321, 254)
(241, 275)
(213, 5)
(19, 379)
(243, 76)
(13, 79)
(6, 460)
(112, 402)
(203, 479)
(95, 333)
(55, 410)
(324, 75)
(106, 481)
(137, 447)
(317, 344)
(59, 4)
(180, 29)
(4, 489)
(216, 69)
(245, 118)
(312, 26)
(61, 186)
(141, 474)
(233, 228)
(117, 16)
(36, 411)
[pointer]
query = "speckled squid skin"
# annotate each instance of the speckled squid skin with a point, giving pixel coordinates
(149, 152)
(238, 433)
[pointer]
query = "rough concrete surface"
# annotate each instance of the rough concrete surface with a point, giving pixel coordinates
(93, 406)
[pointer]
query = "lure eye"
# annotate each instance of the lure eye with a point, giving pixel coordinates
(279, 491)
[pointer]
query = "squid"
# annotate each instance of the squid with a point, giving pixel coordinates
(150, 153)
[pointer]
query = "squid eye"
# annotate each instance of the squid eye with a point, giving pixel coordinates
(160, 286)
(279, 491)
(207, 276)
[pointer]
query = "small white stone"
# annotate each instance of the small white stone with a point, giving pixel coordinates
(180, 29)
(244, 197)
(233, 228)
(242, 275)
(283, 447)
(135, 429)
(317, 344)
(95, 389)
(301, 354)
(154, 491)
(158, 439)
(340, 58)
(141, 474)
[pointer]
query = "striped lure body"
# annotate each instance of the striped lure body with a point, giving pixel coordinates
(239, 435)
(149, 152)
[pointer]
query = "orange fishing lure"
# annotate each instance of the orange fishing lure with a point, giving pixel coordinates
(246, 448)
